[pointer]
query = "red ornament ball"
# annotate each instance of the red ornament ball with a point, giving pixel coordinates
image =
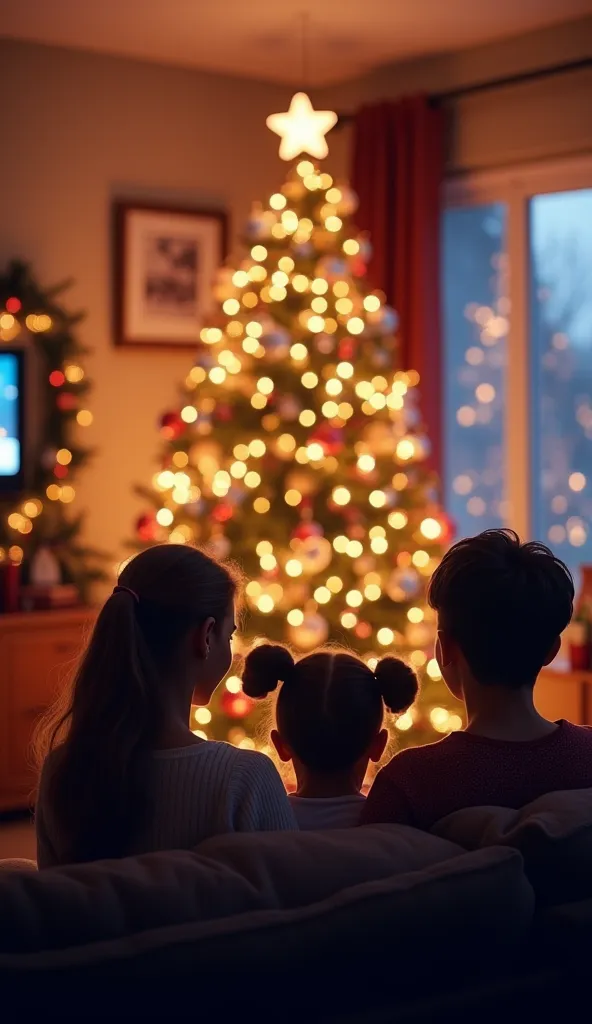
(146, 527)
(236, 705)
(61, 472)
(330, 438)
(223, 413)
(66, 402)
(57, 378)
(171, 425)
(307, 529)
(448, 528)
(222, 512)
(13, 305)
(346, 348)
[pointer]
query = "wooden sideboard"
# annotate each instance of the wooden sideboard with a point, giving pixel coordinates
(565, 695)
(36, 650)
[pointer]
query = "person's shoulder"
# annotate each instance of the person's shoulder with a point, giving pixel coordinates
(248, 762)
(411, 758)
(253, 762)
(581, 734)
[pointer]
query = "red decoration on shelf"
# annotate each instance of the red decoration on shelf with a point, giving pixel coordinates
(9, 587)
(236, 705)
(13, 305)
(57, 378)
(171, 425)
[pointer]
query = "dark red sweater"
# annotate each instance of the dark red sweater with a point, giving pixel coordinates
(423, 784)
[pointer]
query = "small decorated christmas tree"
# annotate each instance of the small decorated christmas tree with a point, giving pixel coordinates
(298, 452)
(40, 531)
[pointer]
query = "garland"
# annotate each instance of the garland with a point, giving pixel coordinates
(42, 515)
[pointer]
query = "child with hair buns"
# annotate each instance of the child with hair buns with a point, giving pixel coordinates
(329, 724)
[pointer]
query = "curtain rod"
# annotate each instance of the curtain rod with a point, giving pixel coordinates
(552, 70)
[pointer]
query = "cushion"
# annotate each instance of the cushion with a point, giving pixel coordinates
(298, 868)
(228, 875)
(91, 902)
(553, 834)
(403, 936)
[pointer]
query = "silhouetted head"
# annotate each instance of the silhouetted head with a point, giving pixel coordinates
(330, 706)
(501, 606)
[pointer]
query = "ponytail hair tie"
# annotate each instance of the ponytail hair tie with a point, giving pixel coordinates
(126, 590)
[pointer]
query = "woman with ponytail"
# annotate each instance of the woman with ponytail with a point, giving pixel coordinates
(329, 724)
(122, 772)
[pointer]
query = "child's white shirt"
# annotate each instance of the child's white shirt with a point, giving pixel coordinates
(317, 814)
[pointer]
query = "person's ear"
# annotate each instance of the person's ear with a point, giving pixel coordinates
(553, 651)
(284, 752)
(202, 638)
(445, 651)
(378, 745)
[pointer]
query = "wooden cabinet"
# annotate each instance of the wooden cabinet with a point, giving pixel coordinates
(565, 695)
(37, 650)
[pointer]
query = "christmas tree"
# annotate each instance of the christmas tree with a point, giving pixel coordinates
(43, 519)
(297, 451)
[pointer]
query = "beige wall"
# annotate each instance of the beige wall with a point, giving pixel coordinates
(549, 118)
(77, 130)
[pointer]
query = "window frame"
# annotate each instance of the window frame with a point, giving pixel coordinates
(515, 186)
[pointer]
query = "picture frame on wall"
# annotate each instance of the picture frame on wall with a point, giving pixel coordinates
(165, 263)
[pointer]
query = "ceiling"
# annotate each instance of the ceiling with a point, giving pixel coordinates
(263, 38)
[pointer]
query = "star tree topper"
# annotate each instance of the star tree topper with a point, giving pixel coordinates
(302, 129)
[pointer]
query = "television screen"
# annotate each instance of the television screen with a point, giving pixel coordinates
(11, 440)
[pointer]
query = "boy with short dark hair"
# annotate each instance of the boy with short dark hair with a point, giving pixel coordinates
(502, 607)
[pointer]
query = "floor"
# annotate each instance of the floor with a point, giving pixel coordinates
(17, 839)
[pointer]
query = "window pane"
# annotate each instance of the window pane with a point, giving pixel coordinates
(475, 326)
(561, 353)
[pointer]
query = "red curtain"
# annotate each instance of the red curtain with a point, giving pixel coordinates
(398, 168)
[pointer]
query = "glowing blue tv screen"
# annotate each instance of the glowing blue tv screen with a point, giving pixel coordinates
(11, 375)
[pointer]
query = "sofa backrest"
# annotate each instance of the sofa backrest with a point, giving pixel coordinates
(228, 875)
(385, 940)
(553, 834)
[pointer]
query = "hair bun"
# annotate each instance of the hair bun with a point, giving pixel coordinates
(266, 666)
(397, 682)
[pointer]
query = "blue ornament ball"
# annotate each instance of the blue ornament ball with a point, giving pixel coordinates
(276, 342)
(389, 319)
(365, 249)
(304, 249)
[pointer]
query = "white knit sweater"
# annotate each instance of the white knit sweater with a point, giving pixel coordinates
(195, 792)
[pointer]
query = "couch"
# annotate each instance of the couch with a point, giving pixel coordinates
(488, 918)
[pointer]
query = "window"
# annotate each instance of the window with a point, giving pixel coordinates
(475, 310)
(561, 368)
(517, 331)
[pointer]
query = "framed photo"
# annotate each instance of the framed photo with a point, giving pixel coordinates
(165, 263)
